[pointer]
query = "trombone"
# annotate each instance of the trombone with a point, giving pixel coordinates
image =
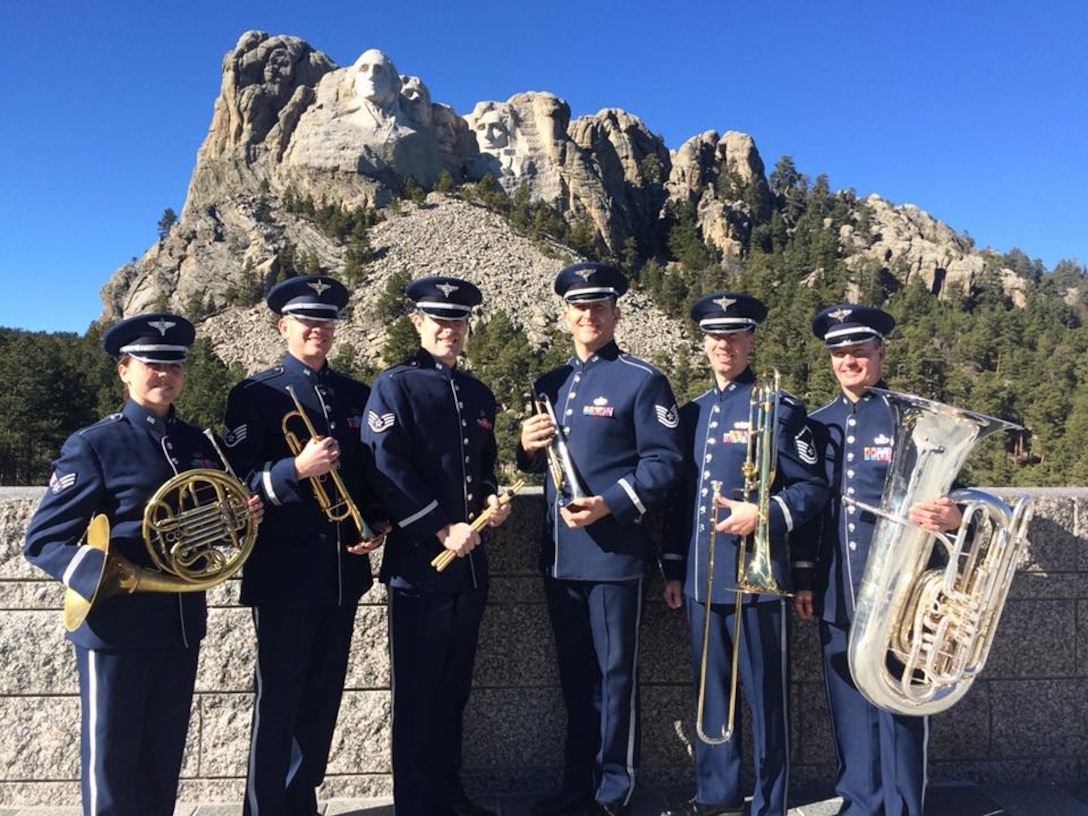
(568, 487)
(754, 575)
(337, 504)
(445, 558)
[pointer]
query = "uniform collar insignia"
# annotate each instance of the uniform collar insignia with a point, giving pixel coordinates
(840, 314)
(725, 302)
(319, 287)
(584, 274)
(162, 325)
(446, 289)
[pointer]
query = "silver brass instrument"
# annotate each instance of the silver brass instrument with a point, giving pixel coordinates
(560, 463)
(755, 575)
(197, 529)
(921, 635)
(336, 503)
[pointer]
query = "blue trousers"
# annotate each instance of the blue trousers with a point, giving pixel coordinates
(596, 627)
(882, 756)
(302, 659)
(764, 678)
(135, 717)
(432, 644)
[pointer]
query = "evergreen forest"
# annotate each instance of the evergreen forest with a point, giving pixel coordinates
(1027, 364)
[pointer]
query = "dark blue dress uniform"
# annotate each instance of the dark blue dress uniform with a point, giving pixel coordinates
(622, 427)
(716, 427)
(882, 755)
(303, 585)
(430, 436)
(136, 654)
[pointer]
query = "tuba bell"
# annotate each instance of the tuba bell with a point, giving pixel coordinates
(921, 634)
(197, 529)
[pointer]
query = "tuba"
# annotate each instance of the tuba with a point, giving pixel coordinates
(197, 529)
(921, 634)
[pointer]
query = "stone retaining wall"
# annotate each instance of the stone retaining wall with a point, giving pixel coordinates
(1024, 720)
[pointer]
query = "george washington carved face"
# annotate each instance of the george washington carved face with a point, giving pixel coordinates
(376, 79)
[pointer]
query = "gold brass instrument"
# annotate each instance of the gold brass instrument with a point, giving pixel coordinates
(755, 575)
(727, 730)
(568, 487)
(197, 529)
(446, 557)
(921, 635)
(336, 503)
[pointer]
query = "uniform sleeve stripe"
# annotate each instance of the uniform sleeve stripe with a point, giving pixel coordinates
(417, 516)
(73, 565)
(634, 496)
(266, 483)
(785, 512)
(672, 557)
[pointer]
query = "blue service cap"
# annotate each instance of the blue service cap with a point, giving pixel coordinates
(312, 297)
(443, 297)
(845, 324)
(728, 312)
(160, 337)
(588, 281)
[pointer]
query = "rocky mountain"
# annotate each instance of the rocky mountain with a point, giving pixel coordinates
(289, 124)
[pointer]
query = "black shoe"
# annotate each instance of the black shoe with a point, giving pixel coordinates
(696, 809)
(463, 807)
(609, 809)
(564, 803)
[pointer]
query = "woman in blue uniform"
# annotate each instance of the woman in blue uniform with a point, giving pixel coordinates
(136, 653)
(430, 434)
(717, 429)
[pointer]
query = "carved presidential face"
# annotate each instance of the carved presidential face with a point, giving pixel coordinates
(493, 131)
(416, 100)
(376, 78)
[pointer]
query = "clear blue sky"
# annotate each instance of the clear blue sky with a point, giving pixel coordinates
(974, 110)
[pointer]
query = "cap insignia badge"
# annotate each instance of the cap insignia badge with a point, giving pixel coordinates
(584, 274)
(161, 325)
(446, 289)
(725, 302)
(319, 287)
(840, 314)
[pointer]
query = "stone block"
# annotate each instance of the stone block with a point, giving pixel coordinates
(1039, 719)
(963, 731)
(361, 742)
(37, 658)
(1034, 639)
(515, 648)
(41, 739)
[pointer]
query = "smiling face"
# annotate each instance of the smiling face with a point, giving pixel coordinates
(444, 339)
(154, 386)
(728, 353)
(858, 367)
(308, 340)
(592, 325)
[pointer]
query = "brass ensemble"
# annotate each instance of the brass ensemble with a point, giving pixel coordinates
(336, 503)
(922, 634)
(568, 487)
(446, 557)
(755, 575)
(197, 529)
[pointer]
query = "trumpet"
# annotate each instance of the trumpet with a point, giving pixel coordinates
(560, 463)
(445, 558)
(336, 503)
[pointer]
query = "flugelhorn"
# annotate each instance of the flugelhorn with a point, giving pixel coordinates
(568, 487)
(336, 504)
(198, 532)
(921, 635)
(446, 557)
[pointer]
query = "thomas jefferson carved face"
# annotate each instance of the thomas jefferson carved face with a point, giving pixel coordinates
(376, 78)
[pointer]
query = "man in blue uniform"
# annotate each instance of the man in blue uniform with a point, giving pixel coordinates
(882, 755)
(620, 421)
(430, 437)
(136, 653)
(717, 427)
(308, 571)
